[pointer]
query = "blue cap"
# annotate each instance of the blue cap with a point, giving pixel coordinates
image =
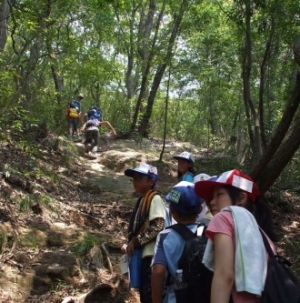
(183, 199)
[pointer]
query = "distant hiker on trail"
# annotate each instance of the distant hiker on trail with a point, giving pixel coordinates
(73, 115)
(91, 129)
(186, 170)
(147, 220)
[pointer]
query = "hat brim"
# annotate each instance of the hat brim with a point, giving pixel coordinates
(205, 189)
(130, 172)
(178, 158)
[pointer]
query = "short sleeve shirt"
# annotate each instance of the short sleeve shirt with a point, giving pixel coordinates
(189, 177)
(223, 223)
(168, 249)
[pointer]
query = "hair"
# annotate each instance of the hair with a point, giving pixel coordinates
(191, 169)
(187, 217)
(259, 209)
(155, 182)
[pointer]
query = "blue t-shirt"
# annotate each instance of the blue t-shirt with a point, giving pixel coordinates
(168, 249)
(189, 177)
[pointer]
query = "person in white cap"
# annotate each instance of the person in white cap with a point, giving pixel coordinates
(186, 170)
(147, 220)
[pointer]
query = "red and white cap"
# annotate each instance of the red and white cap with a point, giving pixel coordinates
(205, 189)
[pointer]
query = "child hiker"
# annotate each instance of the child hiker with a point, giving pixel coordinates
(91, 130)
(170, 251)
(236, 251)
(186, 170)
(147, 220)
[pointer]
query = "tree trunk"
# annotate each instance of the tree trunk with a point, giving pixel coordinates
(281, 131)
(147, 55)
(278, 162)
(161, 69)
(166, 117)
(59, 88)
(263, 68)
(256, 146)
(4, 15)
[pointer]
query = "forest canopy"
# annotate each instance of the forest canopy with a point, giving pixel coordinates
(215, 73)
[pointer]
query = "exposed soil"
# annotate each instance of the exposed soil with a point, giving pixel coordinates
(63, 217)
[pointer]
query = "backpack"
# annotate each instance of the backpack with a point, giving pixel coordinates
(73, 110)
(195, 274)
(281, 285)
(94, 113)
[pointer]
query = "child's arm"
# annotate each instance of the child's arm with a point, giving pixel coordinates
(109, 125)
(83, 127)
(149, 234)
(223, 279)
(157, 282)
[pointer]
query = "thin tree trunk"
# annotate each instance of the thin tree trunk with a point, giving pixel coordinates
(256, 147)
(166, 117)
(4, 15)
(146, 71)
(161, 69)
(263, 68)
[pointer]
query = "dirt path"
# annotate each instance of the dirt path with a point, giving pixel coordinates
(60, 214)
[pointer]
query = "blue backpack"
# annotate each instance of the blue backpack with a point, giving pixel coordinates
(94, 113)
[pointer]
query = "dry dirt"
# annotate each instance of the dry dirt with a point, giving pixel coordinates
(63, 217)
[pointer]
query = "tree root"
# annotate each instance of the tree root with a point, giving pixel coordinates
(106, 253)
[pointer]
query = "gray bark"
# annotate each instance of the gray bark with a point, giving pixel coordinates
(4, 16)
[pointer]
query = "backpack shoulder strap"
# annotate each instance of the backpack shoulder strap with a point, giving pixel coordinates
(184, 231)
(267, 244)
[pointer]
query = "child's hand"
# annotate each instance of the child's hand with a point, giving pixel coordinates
(130, 248)
(124, 248)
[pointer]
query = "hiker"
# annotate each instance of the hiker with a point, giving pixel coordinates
(95, 112)
(147, 220)
(185, 166)
(170, 249)
(73, 115)
(235, 250)
(90, 129)
(185, 173)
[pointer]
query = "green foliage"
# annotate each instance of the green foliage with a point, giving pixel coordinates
(59, 285)
(28, 201)
(33, 239)
(84, 246)
(101, 48)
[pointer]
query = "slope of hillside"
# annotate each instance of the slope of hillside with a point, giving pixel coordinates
(63, 217)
